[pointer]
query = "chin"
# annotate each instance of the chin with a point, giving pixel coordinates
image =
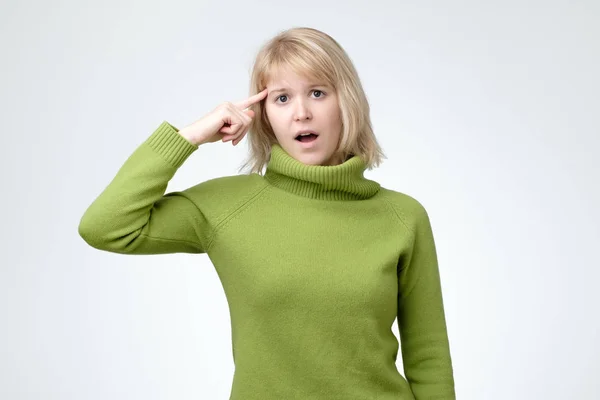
(307, 157)
(312, 159)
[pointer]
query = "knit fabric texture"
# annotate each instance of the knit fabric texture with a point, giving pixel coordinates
(316, 262)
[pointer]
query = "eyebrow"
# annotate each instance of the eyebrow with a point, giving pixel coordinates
(287, 89)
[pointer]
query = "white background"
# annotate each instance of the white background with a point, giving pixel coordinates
(488, 114)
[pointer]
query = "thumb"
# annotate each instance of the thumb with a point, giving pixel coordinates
(249, 113)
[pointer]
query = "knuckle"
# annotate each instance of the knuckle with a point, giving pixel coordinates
(225, 105)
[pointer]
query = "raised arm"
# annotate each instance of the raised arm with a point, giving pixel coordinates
(133, 215)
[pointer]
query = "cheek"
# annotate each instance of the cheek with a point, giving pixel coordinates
(277, 118)
(335, 116)
(269, 115)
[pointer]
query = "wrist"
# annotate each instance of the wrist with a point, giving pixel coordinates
(186, 135)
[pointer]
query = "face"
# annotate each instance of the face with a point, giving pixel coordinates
(295, 103)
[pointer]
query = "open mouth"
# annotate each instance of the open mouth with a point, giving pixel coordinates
(307, 137)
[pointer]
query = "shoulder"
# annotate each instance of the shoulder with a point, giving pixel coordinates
(224, 195)
(406, 208)
(241, 185)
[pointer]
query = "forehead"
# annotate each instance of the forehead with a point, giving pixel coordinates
(286, 77)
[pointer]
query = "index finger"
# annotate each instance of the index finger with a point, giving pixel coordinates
(251, 100)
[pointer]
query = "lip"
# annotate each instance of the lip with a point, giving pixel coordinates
(306, 144)
(305, 131)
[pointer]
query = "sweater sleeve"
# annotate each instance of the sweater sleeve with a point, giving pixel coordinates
(422, 325)
(133, 215)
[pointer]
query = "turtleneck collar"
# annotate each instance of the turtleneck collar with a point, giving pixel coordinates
(337, 182)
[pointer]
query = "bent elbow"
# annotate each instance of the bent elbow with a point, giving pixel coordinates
(102, 236)
(90, 231)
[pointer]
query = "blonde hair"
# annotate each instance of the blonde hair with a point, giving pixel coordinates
(313, 54)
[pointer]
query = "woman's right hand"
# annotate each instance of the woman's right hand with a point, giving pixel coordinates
(229, 121)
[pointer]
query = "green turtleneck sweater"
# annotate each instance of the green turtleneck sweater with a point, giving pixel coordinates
(316, 263)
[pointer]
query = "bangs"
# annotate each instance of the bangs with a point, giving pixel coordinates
(308, 64)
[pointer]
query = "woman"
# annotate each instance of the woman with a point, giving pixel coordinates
(316, 261)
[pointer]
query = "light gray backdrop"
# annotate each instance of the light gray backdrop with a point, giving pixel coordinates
(488, 113)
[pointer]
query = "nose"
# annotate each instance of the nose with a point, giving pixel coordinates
(301, 111)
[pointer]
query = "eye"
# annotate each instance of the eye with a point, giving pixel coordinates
(320, 92)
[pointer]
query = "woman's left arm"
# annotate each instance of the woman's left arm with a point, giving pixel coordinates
(421, 318)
